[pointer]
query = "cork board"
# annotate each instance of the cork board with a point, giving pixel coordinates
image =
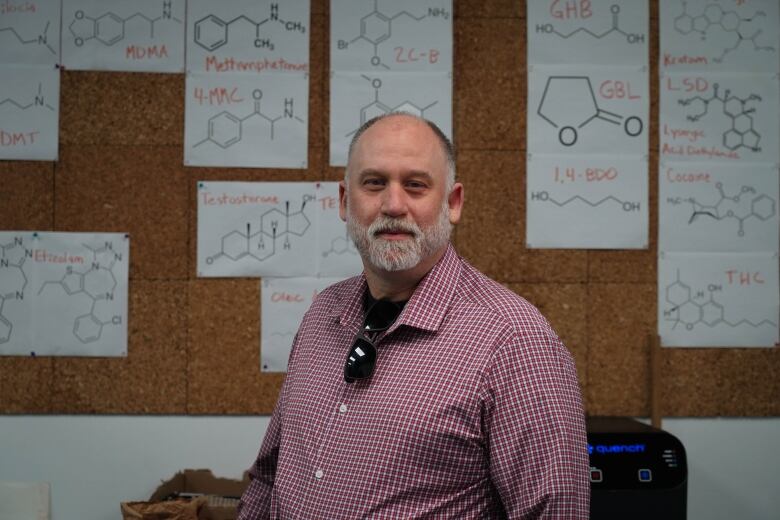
(193, 343)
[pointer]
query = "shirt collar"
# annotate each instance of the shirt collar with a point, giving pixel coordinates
(425, 309)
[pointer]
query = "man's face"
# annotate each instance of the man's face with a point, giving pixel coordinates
(396, 205)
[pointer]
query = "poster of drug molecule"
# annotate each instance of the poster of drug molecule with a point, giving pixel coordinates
(388, 57)
(283, 302)
(338, 256)
(356, 98)
(398, 35)
(273, 229)
(574, 109)
(29, 112)
(719, 117)
(257, 229)
(717, 207)
(246, 120)
(588, 201)
(30, 32)
(602, 32)
(63, 294)
(720, 35)
(248, 36)
(718, 300)
(144, 35)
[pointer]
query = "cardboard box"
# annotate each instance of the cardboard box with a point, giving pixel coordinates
(222, 494)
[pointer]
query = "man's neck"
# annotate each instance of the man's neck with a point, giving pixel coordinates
(399, 285)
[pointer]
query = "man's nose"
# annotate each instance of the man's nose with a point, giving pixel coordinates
(394, 201)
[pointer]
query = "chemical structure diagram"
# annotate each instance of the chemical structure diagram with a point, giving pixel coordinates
(580, 90)
(226, 129)
(13, 281)
(549, 28)
(109, 28)
(280, 338)
(41, 39)
(742, 133)
(627, 206)
(260, 244)
(742, 206)
(38, 101)
(377, 108)
(377, 27)
(211, 32)
(713, 15)
(340, 246)
(691, 307)
(97, 282)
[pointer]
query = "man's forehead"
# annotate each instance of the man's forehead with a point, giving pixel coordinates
(404, 130)
(396, 123)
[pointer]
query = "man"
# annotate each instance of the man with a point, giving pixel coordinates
(464, 405)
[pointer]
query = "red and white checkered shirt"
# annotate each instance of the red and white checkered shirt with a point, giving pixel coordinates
(473, 411)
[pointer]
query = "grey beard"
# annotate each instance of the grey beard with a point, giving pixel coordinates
(402, 254)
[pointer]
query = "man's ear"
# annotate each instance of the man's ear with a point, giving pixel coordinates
(455, 202)
(343, 201)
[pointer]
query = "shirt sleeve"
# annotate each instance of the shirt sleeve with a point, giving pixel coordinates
(535, 429)
(255, 503)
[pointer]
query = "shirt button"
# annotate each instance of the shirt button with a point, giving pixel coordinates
(319, 474)
(343, 408)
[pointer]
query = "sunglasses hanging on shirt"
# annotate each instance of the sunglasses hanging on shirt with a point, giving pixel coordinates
(361, 358)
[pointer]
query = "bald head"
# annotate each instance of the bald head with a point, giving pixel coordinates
(447, 149)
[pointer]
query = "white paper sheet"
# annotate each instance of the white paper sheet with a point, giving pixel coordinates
(246, 120)
(257, 229)
(603, 32)
(143, 35)
(284, 301)
(719, 35)
(717, 207)
(63, 294)
(587, 201)
(30, 32)
(25, 500)
(248, 36)
(29, 112)
(399, 35)
(719, 117)
(388, 57)
(355, 98)
(338, 257)
(718, 300)
(576, 109)
(278, 229)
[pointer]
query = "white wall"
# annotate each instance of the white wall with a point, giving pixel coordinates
(95, 462)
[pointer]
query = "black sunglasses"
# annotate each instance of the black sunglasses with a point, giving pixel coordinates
(362, 356)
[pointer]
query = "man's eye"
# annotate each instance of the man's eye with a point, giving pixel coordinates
(416, 185)
(373, 182)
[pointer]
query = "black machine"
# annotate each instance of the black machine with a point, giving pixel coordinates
(636, 471)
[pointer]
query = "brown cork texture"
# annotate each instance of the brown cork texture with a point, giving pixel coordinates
(619, 318)
(119, 108)
(26, 195)
(140, 190)
(224, 337)
(490, 84)
(194, 343)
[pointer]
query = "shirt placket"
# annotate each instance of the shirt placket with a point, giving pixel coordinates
(321, 461)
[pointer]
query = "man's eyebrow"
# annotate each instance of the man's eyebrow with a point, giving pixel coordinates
(421, 174)
(414, 174)
(369, 171)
